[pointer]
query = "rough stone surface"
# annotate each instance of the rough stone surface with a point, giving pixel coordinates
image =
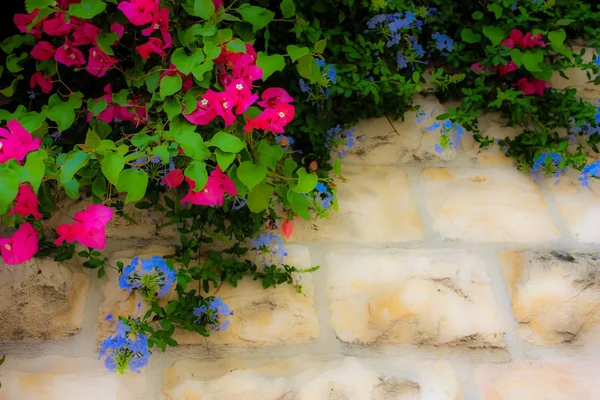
(301, 378)
(492, 126)
(63, 378)
(261, 317)
(428, 297)
(401, 141)
(555, 295)
(577, 77)
(41, 300)
(579, 207)
(486, 205)
(553, 379)
(375, 206)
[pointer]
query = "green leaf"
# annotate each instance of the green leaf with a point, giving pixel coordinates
(169, 85)
(199, 8)
(74, 162)
(99, 186)
(9, 186)
(71, 188)
(269, 155)
(251, 174)
(469, 36)
(306, 182)
(30, 120)
(258, 17)
(31, 5)
(557, 40)
(269, 64)
(224, 159)
(163, 152)
(172, 107)
(564, 21)
(236, 46)
(227, 142)
(496, 9)
(320, 46)
(184, 62)
(296, 52)
(308, 68)
(134, 182)
(200, 69)
(11, 43)
(97, 106)
(477, 15)
(259, 197)
(92, 140)
(196, 171)
(106, 41)
(337, 166)
(516, 56)
(63, 112)
(35, 167)
(193, 145)
(142, 140)
(299, 204)
(532, 60)
(288, 8)
(13, 60)
(112, 164)
(289, 166)
(495, 34)
(87, 9)
(9, 91)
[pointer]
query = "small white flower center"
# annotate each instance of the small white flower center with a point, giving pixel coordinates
(156, 26)
(1, 145)
(281, 115)
(72, 56)
(7, 247)
(205, 190)
(94, 54)
(239, 86)
(204, 102)
(225, 105)
(65, 46)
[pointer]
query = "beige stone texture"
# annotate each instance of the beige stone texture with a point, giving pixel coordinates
(385, 143)
(375, 206)
(579, 206)
(302, 378)
(578, 78)
(573, 378)
(65, 378)
(555, 295)
(486, 205)
(261, 317)
(41, 300)
(423, 297)
(493, 126)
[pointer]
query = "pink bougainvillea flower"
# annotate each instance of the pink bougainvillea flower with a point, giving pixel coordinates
(505, 69)
(272, 119)
(23, 20)
(540, 85)
(529, 41)
(242, 95)
(272, 97)
(245, 69)
(218, 4)
(514, 39)
(88, 227)
(477, 68)
(99, 62)
(86, 34)
(531, 86)
(139, 12)
(223, 104)
(117, 28)
(188, 81)
(213, 192)
(38, 79)
(58, 26)
(204, 113)
(153, 46)
(64, 4)
(69, 55)
(27, 203)
(42, 51)
(174, 178)
(287, 228)
(160, 22)
(21, 246)
(16, 142)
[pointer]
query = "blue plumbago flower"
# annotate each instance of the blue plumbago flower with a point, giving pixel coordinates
(416, 46)
(401, 61)
(443, 42)
(31, 94)
(212, 312)
(320, 62)
(597, 61)
(56, 135)
(554, 157)
(341, 140)
(287, 140)
(304, 87)
(513, 7)
(153, 277)
(423, 115)
(592, 169)
(321, 188)
(109, 317)
(126, 349)
(269, 244)
(238, 203)
(323, 196)
(450, 136)
(329, 71)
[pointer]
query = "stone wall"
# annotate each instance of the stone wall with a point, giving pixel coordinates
(443, 277)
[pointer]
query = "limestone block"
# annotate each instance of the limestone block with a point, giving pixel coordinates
(423, 297)
(375, 206)
(41, 300)
(579, 206)
(261, 317)
(555, 295)
(574, 378)
(491, 125)
(65, 378)
(301, 378)
(577, 77)
(486, 205)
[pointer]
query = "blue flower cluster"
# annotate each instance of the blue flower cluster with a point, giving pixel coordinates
(541, 160)
(153, 277)
(127, 348)
(324, 196)
(586, 127)
(443, 42)
(597, 61)
(593, 170)
(269, 243)
(329, 71)
(213, 312)
(450, 137)
(341, 140)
